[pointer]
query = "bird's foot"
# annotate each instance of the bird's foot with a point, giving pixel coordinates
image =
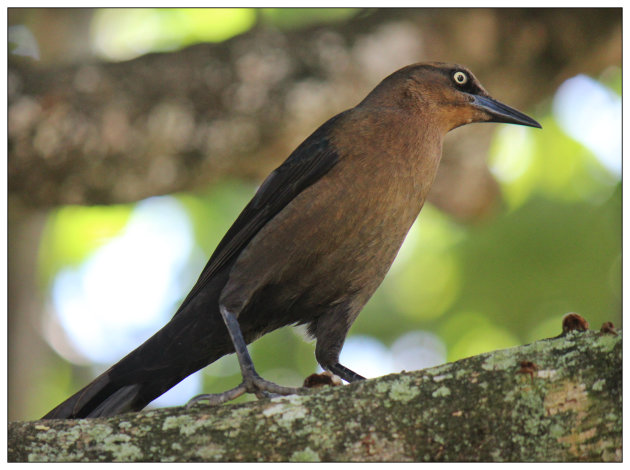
(263, 388)
(255, 384)
(218, 398)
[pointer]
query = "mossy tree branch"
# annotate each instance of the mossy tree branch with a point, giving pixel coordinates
(483, 408)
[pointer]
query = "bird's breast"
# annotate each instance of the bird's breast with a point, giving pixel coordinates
(336, 240)
(346, 229)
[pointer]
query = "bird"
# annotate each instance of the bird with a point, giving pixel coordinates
(312, 245)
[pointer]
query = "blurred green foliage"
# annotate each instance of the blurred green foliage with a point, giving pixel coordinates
(124, 33)
(72, 233)
(121, 33)
(548, 163)
(295, 18)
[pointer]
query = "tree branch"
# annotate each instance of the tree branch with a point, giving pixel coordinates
(102, 133)
(491, 407)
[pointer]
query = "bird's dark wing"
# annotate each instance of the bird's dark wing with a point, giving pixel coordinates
(307, 164)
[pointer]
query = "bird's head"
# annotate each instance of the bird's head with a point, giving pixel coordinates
(448, 93)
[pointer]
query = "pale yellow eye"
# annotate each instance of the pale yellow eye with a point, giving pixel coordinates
(460, 78)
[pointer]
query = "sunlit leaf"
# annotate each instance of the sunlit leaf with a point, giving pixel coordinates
(289, 18)
(124, 33)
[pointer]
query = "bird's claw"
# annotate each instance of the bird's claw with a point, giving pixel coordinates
(214, 399)
(255, 385)
(264, 389)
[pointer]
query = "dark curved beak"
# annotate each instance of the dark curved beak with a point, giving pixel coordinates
(503, 113)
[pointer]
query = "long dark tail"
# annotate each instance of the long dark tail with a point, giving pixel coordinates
(194, 338)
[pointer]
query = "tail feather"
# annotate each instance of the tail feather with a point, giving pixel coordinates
(81, 403)
(101, 398)
(129, 385)
(118, 402)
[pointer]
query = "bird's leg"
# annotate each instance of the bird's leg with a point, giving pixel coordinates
(251, 379)
(331, 332)
(252, 382)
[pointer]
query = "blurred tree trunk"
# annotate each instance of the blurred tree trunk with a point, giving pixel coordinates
(26, 347)
(484, 408)
(102, 133)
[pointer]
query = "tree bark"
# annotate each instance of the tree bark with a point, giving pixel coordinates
(491, 407)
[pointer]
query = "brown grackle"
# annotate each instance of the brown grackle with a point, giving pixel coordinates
(312, 245)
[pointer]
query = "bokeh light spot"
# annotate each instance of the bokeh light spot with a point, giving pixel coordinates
(127, 288)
